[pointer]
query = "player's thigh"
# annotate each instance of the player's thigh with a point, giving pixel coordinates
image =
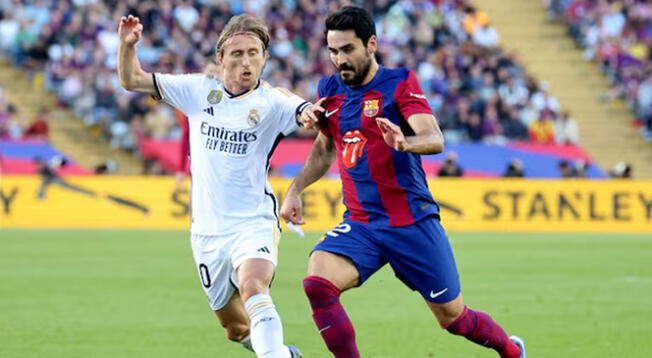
(254, 257)
(337, 269)
(214, 268)
(254, 276)
(347, 255)
(421, 257)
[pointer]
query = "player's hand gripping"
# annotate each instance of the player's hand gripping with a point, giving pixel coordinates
(130, 30)
(392, 134)
(291, 209)
(310, 116)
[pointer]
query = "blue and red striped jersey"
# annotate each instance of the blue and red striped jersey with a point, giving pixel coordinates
(380, 185)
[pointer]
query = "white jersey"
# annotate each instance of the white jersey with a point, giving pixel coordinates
(231, 142)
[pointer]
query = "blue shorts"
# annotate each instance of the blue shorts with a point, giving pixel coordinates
(419, 254)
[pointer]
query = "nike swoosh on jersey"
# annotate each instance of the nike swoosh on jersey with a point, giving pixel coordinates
(330, 113)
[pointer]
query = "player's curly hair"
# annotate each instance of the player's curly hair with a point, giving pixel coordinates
(352, 18)
(244, 24)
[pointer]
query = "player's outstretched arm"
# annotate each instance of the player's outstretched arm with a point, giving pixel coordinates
(132, 77)
(319, 160)
(427, 139)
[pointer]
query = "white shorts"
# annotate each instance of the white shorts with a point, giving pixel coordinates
(219, 256)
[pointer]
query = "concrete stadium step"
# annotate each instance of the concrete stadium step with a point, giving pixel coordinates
(550, 54)
(67, 132)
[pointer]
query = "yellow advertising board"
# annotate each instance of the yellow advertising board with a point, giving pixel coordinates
(501, 205)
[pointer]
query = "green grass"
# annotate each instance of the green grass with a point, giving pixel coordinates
(136, 294)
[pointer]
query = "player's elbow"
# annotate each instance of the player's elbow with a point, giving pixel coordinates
(127, 85)
(133, 82)
(126, 81)
(436, 144)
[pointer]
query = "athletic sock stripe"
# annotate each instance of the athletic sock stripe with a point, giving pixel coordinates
(258, 306)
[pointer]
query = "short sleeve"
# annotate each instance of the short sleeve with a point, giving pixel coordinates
(410, 98)
(177, 90)
(288, 105)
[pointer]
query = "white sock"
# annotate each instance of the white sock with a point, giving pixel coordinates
(265, 327)
(246, 343)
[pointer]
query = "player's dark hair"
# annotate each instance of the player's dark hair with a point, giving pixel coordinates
(352, 18)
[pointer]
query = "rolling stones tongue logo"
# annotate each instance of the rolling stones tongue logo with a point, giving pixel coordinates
(354, 143)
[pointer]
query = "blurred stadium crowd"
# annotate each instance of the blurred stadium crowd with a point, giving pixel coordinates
(618, 35)
(479, 92)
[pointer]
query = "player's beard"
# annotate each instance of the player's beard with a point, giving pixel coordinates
(358, 76)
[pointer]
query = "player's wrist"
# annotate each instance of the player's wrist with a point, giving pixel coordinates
(128, 45)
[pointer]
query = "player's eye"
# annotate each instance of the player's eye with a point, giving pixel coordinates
(332, 51)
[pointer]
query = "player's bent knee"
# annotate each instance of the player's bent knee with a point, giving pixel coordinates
(447, 313)
(236, 331)
(320, 292)
(448, 316)
(252, 287)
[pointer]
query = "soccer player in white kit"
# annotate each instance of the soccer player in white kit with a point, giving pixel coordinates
(234, 127)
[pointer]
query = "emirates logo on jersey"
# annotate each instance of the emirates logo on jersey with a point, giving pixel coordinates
(354, 142)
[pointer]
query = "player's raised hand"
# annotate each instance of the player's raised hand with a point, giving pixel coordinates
(130, 30)
(392, 134)
(291, 209)
(310, 116)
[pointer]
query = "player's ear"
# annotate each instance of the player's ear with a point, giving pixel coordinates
(219, 56)
(372, 45)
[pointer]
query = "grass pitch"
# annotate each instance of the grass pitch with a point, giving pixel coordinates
(112, 293)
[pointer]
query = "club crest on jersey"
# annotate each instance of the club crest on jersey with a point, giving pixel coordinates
(354, 142)
(253, 118)
(370, 107)
(214, 97)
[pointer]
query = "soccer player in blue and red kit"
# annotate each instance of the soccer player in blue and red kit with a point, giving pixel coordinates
(376, 122)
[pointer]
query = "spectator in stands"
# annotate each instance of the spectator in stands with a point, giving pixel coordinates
(644, 107)
(542, 131)
(474, 20)
(39, 128)
(566, 130)
(9, 26)
(621, 170)
(581, 168)
(566, 170)
(486, 36)
(513, 127)
(108, 167)
(10, 128)
(450, 168)
(514, 169)
(474, 128)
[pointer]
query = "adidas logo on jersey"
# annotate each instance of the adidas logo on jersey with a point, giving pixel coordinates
(263, 249)
(209, 110)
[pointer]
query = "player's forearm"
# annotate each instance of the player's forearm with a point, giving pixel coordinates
(432, 143)
(319, 161)
(132, 77)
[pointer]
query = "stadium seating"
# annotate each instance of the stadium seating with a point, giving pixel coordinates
(616, 35)
(481, 94)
